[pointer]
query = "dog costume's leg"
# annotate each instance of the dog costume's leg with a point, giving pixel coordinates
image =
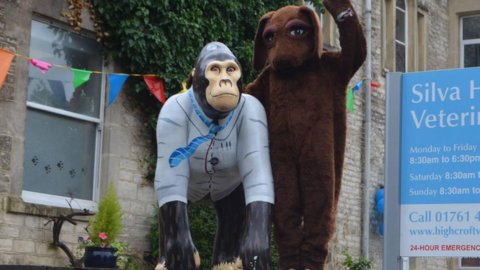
(288, 214)
(317, 183)
(231, 215)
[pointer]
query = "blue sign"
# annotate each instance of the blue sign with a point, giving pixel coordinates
(440, 164)
(440, 151)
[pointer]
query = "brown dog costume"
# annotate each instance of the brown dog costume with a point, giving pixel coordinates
(304, 92)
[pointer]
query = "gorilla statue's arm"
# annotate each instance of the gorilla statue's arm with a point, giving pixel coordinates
(179, 249)
(171, 185)
(254, 165)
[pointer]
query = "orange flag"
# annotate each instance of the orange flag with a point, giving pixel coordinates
(156, 87)
(5, 61)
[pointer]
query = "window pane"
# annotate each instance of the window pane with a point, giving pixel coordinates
(55, 88)
(401, 4)
(400, 57)
(470, 262)
(472, 55)
(400, 26)
(471, 27)
(59, 155)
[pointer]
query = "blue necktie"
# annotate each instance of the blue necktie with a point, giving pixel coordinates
(183, 153)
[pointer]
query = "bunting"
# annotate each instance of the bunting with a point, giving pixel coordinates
(43, 66)
(6, 58)
(353, 90)
(350, 101)
(184, 88)
(80, 76)
(116, 83)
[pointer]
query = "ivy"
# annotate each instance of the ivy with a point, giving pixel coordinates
(164, 37)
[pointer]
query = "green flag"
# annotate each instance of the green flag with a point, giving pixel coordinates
(80, 76)
(350, 100)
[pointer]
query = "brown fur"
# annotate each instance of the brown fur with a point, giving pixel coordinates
(305, 99)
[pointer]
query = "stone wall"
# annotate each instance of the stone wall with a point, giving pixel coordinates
(23, 237)
(348, 237)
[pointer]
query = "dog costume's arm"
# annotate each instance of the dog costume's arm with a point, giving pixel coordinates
(260, 87)
(254, 166)
(171, 185)
(352, 38)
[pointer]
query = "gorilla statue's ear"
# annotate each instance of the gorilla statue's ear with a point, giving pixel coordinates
(190, 79)
(317, 30)
(260, 52)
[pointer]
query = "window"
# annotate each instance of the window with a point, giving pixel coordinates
(64, 124)
(422, 40)
(401, 36)
(470, 41)
(317, 10)
(469, 263)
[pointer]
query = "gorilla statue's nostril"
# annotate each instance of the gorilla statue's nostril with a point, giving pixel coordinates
(225, 81)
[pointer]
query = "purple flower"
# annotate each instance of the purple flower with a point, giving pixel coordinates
(80, 239)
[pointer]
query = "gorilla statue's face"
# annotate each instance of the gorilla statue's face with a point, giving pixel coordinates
(222, 91)
(217, 80)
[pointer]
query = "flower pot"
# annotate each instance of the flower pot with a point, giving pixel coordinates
(100, 257)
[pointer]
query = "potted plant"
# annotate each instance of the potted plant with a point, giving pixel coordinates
(100, 245)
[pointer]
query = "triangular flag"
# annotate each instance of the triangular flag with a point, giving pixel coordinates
(374, 85)
(156, 87)
(184, 88)
(357, 86)
(43, 66)
(5, 61)
(350, 100)
(116, 83)
(80, 76)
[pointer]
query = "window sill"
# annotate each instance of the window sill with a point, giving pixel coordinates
(31, 207)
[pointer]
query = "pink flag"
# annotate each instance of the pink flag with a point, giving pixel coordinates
(43, 66)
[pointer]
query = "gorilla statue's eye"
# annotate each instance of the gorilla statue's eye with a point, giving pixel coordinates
(230, 69)
(297, 31)
(215, 69)
(269, 37)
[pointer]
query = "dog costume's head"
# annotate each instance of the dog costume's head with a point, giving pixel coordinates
(286, 38)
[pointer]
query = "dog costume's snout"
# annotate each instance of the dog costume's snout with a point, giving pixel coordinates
(284, 64)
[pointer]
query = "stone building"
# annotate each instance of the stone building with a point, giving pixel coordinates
(407, 35)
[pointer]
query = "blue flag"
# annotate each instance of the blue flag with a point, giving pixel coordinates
(357, 87)
(116, 83)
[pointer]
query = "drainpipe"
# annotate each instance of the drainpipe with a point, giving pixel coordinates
(368, 119)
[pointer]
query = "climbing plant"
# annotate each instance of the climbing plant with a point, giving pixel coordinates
(164, 37)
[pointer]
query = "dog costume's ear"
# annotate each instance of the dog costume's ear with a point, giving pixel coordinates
(260, 52)
(317, 30)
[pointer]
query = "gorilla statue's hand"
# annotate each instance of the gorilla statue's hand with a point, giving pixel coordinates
(180, 253)
(255, 249)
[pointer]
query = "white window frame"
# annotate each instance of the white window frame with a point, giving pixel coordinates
(61, 201)
(406, 35)
(460, 267)
(466, 42)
